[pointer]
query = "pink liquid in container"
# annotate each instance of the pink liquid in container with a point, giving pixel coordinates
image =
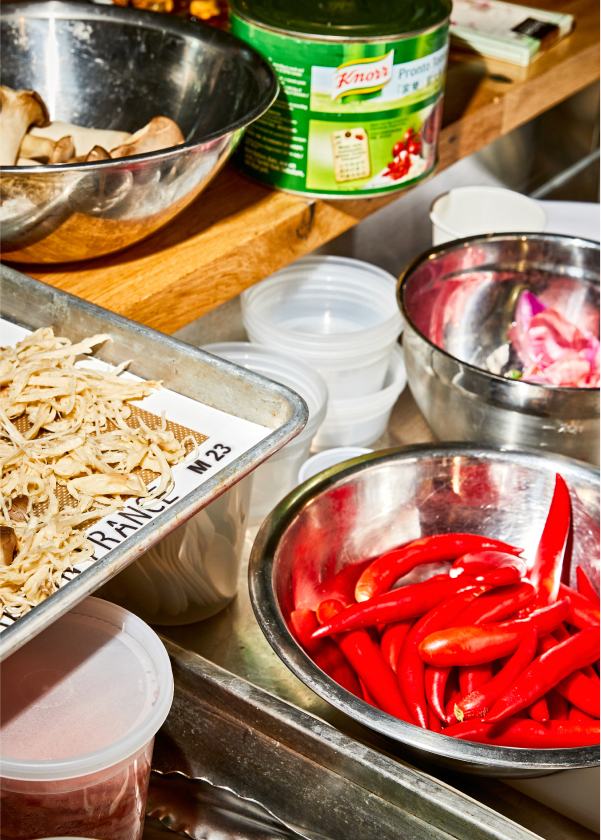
(80, 706)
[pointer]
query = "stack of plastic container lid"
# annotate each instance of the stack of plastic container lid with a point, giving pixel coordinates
(340, 317)
(277, 476)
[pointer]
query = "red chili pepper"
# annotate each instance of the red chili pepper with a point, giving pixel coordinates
(435, 684)
(471, 679)
(392, 641)
(499, 605)
(478, 703)
(546, 671)
(565, 733)
(341, 586)
(582, 688)
(410, 667)
(548, 562)
(528, 733)
(575, 714)
(389, 567)
(324, 652)
(545, 620)
(303, 623)
(583, 612)
(539, 710)
(480, 562)
(558, 706)
(585, 586)
(368, 663)
(399, 605)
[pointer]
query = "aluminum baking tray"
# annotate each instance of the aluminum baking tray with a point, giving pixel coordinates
(274, 764)
(245, 417)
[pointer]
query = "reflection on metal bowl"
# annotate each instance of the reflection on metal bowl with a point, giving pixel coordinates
(376, 502)
(458, 301)
(101, 66)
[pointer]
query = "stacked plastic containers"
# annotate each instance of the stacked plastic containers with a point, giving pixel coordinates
(277, 476)
(340, 317)
(81, 704)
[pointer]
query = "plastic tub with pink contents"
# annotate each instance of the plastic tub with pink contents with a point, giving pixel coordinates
(80, 706)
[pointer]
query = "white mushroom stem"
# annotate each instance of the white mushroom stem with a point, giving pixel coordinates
(84, 138)
(159, 133)
(45, 150)
(19, 109)
(97, 153)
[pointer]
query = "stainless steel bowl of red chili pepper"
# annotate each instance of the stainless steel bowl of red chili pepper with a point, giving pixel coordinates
(501, 341)
(447, 598)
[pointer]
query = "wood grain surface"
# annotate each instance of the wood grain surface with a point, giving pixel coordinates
(238, 232)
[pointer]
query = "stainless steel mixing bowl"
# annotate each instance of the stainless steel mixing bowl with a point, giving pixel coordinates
(377, 501)
(106, 67)
(458, 301)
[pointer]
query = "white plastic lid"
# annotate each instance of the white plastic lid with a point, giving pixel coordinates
(324, 306)
(466, 211)
(281, 368)
(329, 458)
(86, 693)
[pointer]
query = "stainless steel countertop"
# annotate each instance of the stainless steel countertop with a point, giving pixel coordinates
(233, 640)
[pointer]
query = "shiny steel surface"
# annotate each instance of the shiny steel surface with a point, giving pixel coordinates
(378, 501)
(101, 66)
(458, 301)
(316, 780)
(182, 368)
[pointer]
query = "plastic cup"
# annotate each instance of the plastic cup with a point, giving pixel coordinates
(273, 479)
(339, 315)
(329, 458)
(467, 211)
(81, 704)
(361, 421)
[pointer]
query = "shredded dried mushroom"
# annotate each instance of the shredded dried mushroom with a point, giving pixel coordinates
(67, 457)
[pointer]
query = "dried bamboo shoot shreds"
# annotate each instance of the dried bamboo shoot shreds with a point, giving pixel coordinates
(70, 453)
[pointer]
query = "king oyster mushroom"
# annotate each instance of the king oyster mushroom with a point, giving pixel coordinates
(44, 150)
(159, 133)
(19, 109)
(85, 139)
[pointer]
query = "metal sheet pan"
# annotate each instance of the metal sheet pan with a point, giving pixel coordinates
(185, 369)
(315, 780)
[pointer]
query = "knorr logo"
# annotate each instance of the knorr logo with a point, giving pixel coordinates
(364, 76)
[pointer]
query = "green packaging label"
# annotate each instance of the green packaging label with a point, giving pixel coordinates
(352, 118)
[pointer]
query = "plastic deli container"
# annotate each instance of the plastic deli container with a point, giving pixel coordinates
(360, 99)
(467, 211)
(192, 573)
(273, 479)
(329, 458)
(339, 315)
(81, 704)
(361, 421)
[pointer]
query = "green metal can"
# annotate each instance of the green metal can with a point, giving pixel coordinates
(361, 87)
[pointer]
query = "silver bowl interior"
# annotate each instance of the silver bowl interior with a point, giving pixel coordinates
(462, 296)
(106, 67)
(101, 66)
(375, 502)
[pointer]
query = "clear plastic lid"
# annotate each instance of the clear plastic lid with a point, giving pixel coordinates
(88, 692)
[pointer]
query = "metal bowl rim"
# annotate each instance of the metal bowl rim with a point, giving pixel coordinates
(488, 237)
(269, 616)
(148, 20)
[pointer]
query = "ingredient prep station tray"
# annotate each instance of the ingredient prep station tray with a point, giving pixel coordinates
(234, 418)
